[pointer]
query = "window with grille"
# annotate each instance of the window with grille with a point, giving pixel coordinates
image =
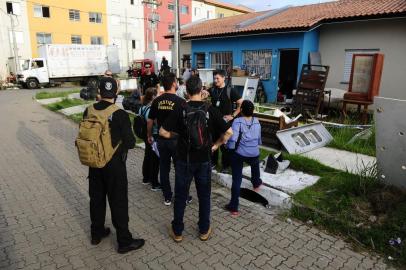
(221, 60)
(200, 60)
(44, 38)
(96, 40)
(41, 11)
(348, 61)
(74, 15)
(171, 6)
(258, 62)
(95, 17)
(75, 39)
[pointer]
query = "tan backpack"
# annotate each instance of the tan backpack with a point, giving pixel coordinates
(94, 139)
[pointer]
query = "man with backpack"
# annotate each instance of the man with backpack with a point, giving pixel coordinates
(196, 121)
(161, 108)
(104, 138)
(223, 97)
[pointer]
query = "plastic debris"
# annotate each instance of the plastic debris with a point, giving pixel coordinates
(373, 219)
(309, 222)
(288, 220)
(395, 241)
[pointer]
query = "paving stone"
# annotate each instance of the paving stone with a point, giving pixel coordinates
(45, 224)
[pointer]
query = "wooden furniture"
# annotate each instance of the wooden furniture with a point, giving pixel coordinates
(363, 114)
(310, 90)
(269, 126)
(365, 79)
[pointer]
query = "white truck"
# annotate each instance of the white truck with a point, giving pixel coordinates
(69, 63)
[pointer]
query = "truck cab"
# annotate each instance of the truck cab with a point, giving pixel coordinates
(34, 73)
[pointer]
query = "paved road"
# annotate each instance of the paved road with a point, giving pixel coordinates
(44, 214)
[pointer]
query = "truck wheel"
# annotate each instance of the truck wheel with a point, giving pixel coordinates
(92, 83)
(32, 84)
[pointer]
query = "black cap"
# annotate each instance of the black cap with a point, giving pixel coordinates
(108, 87)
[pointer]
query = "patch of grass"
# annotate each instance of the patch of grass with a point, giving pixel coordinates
(66, 103)
(77, 117)
(347, 204)
(64, 94)
(343, 135)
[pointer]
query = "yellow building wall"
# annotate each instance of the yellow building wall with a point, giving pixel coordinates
(59, 25)
(226, 12)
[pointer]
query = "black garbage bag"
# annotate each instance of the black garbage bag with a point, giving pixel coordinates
(133, 102)
(88, 93)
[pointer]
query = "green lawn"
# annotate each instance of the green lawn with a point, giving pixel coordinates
(343, 135)
(66, 103)
(76, 117)
(343, 203)
(45, 95)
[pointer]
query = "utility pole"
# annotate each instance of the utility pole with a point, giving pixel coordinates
(153, 20)
(177, 39)
(15, 48)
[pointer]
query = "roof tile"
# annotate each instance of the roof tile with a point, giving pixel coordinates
(300, 17)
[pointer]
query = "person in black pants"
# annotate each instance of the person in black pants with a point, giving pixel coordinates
(111, 180)
(161, 108)
(150, 165)
(194, 162)
(223, 96)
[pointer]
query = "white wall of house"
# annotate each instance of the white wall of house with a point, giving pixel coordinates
(388, 35)
(130, 39)
(21, 32)
(185, 48)
(201, 11)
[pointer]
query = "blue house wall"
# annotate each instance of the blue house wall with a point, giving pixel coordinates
(305, 42)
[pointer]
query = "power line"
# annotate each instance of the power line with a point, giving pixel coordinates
(89, 11)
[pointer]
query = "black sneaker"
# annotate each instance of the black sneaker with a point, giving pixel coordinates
(156, 188)
(168, 202)
(145, 182)
(134, 245)
(97, 240)
(189, 200)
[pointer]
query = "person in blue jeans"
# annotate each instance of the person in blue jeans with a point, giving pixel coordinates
(194, 162)
(245, 144)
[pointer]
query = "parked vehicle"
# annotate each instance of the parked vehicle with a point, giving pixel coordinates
(69, 63)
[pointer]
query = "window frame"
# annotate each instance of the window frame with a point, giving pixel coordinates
(78, 37)
(221, 55)
(11, 8)
(96, 17)
(43, 8)
(172, 5)
(96, 37)
(252, 59)
(348, 55)
(43, 35)
(74, 12)
(183, 8)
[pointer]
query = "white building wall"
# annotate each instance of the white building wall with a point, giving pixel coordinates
(122, 13)
(389, 36)
(202, 11)
(6, 41)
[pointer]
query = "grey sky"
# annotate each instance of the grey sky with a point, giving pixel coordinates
(272, 4)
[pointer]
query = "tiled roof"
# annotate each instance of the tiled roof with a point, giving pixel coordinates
(240, 8)
(297, 18)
